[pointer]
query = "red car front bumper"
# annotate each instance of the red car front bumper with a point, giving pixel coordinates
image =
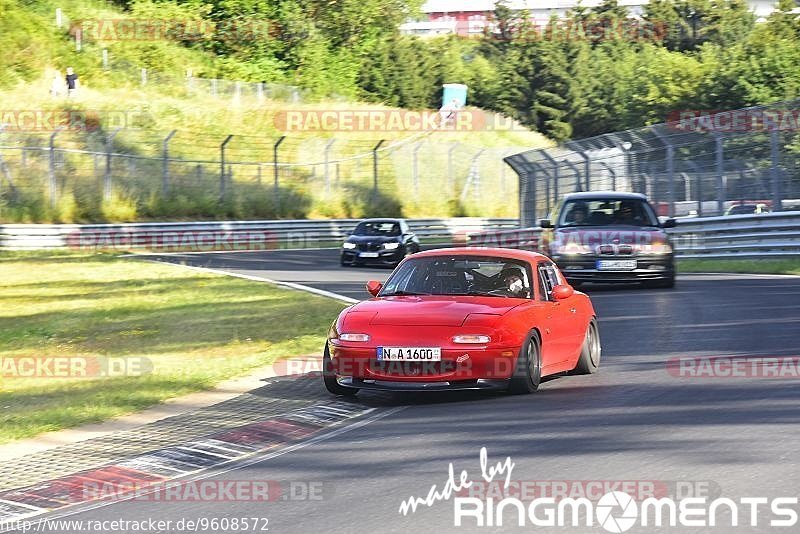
(459, 366)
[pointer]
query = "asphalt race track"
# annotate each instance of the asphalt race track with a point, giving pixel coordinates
(633, 421)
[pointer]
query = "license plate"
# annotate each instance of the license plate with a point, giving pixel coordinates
(368, 254)
(409, 354)
(616, 265)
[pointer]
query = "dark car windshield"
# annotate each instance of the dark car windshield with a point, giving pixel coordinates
(604, 212)
(378, 228)
(461, 275)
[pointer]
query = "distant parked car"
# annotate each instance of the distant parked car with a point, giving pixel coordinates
(382, 242)
(747, 209)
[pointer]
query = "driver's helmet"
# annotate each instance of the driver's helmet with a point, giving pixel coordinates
(513, 278)
(627, 207)
(578, 207)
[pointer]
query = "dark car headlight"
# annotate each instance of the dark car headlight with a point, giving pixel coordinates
(392, 245)
(348, 246)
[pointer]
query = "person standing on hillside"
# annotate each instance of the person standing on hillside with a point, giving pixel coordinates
(72, 81)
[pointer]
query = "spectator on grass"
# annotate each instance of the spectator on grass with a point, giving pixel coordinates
(72, 82)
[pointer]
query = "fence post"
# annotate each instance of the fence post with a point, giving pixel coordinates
(165, 174)
(276, 171)
(670, 179)
(451, 177)
(587, 167)
(720, 170)
(612, 172)
(415, 168)
(105, 59)
(144, 77)
(107, 185)
(555, 177)
(548, 177)
(375, 166)
(326, 169)
(222, 180)
(575, 170)
(774, 169)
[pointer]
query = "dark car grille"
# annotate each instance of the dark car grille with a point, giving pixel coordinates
(369, 247)
(615, 250)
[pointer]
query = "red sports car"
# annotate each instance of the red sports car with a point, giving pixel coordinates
(463, 318)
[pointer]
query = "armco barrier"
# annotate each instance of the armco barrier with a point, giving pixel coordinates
(225, 235)
(734, 236)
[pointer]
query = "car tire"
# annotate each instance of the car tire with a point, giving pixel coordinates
(329, 377)
(528, 368)
(589, 360)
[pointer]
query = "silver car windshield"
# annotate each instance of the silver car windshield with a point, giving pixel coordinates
(605, 212)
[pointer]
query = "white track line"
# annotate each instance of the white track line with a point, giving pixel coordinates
(290, 285)
(257, 458)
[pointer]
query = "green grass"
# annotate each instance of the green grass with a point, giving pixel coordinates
(195, 329)
(765, 266)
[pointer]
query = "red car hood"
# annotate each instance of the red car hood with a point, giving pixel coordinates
(432, 310)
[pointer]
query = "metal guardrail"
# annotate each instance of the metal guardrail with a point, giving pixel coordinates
(224, 235)
(738, 236)
(728, 237)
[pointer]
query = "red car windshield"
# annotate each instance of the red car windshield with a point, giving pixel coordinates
(460, 275)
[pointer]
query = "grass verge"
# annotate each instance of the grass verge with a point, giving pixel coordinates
(194, 329)
(765, 266)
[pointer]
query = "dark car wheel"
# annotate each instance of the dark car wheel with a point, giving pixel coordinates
(589, 360)
(528, 371)
(329, 377)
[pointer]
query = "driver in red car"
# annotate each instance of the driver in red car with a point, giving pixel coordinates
(513, 280)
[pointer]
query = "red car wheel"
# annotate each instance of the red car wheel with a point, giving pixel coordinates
(528, 371)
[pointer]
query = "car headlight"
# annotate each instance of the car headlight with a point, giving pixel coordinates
(348, 246)
(573, 249)
(354, 337)
(655, 248)
(391, 246)
(471, 338)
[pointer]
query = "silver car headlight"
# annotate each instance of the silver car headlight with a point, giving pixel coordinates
(572, 249)
(655, 249)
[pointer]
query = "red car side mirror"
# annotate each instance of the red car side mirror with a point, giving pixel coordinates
(374, 287)
(563, 291)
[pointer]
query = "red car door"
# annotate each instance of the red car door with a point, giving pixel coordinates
(558, 333)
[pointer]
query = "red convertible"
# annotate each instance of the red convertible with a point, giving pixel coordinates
(463, 318)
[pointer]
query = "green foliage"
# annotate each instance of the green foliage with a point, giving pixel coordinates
(596, 71)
